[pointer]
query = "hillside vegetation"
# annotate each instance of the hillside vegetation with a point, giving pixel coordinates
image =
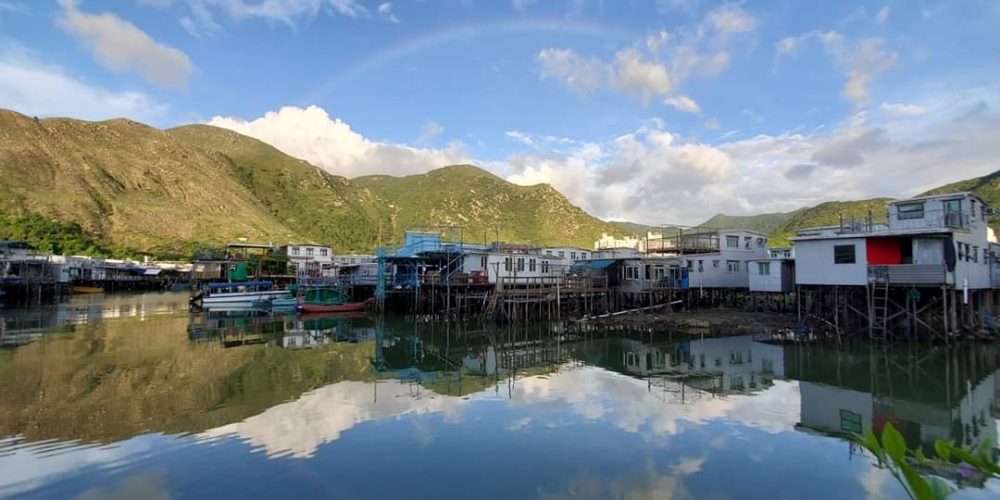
(476, 205)
(829, 214)
(762, 223)
(121, 188)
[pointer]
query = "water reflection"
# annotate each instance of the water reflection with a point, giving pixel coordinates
(167, 401)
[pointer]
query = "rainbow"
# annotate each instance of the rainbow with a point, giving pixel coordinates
(440, 38)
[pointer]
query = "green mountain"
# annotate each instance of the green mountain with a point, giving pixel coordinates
(829, 214)
(118, 187)
(633, 228)
(475, 205)
(763, 223)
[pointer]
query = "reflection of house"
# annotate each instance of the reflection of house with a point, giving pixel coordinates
(738, 364)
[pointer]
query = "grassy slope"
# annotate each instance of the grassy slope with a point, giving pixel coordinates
(467, 196)
(828, 214)
(764, 223)
(316, 205)
(126, 184)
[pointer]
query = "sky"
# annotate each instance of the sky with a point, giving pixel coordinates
(660, 112)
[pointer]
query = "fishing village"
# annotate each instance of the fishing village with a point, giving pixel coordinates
(930, 272)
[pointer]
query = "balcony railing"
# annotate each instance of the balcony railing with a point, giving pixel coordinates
(908, 274)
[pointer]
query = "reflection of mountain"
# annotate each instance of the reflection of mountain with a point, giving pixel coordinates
(115, 379)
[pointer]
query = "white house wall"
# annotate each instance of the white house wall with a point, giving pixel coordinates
(814, 263)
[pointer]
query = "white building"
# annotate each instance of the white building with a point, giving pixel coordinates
(932, 240)
(512, 266)
(566, 255)
(310, 260)
(776, 273)
(724, 257)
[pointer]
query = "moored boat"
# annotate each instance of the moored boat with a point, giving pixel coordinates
(315, 300)
(238, 294)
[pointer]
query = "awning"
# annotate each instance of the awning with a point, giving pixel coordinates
(595, 263)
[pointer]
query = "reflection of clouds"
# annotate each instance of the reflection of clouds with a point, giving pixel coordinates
(26, 466)
(144, 485)
(320, 416)
(298, 428)
(630, 404)
(649, 483)
(688, 465)
(873, 481)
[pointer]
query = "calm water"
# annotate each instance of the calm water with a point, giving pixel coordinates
(132, 396)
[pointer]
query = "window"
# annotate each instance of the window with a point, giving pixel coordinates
(843, 254)
(732, 241)
(572, 255)
(910, 210)
(506, 264)
(690, 265)
(482, 262)
(736, 358)
(545, 267)
(295, 250)
(531, 265)
(733, 266)
(952, 206)
(701, 266)
(986, 256)
(764, 268)
(960, 247)
(548, 252)
(975, 254)
(715, 264)
(646, 272)
(520, 263)
(746, 241)
(562, 254)
(583, 255)
(324, 251)
(309, 251)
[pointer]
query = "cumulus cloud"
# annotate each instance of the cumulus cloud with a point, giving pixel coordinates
(575, 71)
(121, 46)
(683, 103)
(883, 14)
(656, 65)
(36, 89)
(330, 143)
(641, 76)
(653, 175)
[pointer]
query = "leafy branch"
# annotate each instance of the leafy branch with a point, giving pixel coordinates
(892, 453)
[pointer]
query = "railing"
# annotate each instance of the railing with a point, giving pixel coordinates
(930, 219)
(908, 274)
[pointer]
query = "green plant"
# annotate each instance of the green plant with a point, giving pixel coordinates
(906, 465)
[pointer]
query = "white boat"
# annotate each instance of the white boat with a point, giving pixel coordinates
(238, 295)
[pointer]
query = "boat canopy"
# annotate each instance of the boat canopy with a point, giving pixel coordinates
(231, 284)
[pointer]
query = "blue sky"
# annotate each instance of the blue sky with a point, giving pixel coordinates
(659, 111)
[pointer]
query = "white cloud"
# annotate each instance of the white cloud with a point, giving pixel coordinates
(521, 137)
(640, 76)
(121, 46)
(575, 71)
(902, 109)
(861, 61)
(385, 10)
(652, 175)
(883, 14)
(36, 89)
(329, 143)
(731, 19)
(283, 11)
(683, 103)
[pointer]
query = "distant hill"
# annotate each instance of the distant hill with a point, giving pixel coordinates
(635, 229)
(119, 187)
(828, 214)
(763, 223)
(476, 204)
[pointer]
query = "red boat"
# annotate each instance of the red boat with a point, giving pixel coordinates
(328, 300)
(345, 307)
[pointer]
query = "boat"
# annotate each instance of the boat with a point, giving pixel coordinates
(238, 294)
(82, 290)
(280, 304)
(315, 300)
